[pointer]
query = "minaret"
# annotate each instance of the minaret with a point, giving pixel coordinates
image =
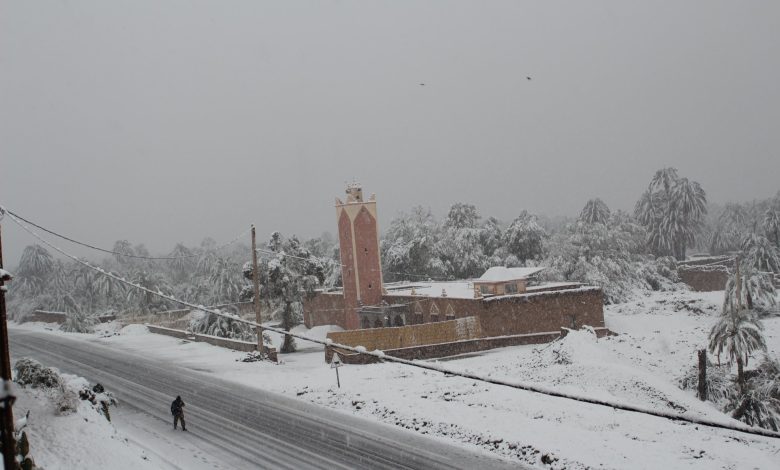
(361, 269)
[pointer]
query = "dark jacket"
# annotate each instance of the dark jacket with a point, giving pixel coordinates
(176, 407)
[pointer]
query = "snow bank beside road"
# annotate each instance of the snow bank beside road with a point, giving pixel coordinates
(81, 439)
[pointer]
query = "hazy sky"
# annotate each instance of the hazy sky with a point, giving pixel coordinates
(166, 121)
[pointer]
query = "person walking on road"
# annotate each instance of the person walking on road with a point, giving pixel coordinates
(177, 410)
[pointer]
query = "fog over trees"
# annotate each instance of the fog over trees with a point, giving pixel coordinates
(615, 250)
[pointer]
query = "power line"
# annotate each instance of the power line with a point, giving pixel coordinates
(425, 365)
(117, 253)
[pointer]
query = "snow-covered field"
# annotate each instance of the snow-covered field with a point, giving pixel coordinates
(658, 338)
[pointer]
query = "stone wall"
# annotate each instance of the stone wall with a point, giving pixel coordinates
(701, 279)
(178, 318)
(411, 335)
(516, 314)
(59, 317)
(543, 311)
(325, 308)
(453, 348)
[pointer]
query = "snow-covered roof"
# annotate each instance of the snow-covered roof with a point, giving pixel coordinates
(500, 274)
(454, 289)
(5, 274)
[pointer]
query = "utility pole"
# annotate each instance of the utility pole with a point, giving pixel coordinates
(256, 281)
(9, 445)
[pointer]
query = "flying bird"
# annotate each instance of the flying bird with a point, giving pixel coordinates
(422, 84)
(527, 78)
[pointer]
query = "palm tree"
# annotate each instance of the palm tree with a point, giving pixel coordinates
(738, 332)
(689, 205)
(772, 224)
(109, 289)
(123, 248)
(595, 212)
(182, 263)
(225, 281)
(35, 261)
(155, 282)
(672, 210)
(760, 254)
(665, 179)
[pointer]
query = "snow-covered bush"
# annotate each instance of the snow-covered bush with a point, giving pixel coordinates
(207, 323)
(759, 405)
(756, 409)
(29, 372)
(719, 384)
(77, 321)
(100, 399)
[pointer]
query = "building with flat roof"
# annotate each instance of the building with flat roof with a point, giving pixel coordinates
(505, 301)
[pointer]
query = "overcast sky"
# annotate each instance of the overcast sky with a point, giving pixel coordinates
(166, 121)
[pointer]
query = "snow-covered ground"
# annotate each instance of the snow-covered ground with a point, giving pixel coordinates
(658, 338)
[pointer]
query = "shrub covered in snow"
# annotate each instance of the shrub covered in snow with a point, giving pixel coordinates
(207, 323)
(77, 321)
(30, 372)
(100, 399)
(720, 383)
(759, 405)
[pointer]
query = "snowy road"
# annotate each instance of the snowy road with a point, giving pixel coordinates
(235, 426)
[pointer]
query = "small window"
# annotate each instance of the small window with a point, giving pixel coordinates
(434, 318)
(484, 289)
(369, 285)
(510, 288)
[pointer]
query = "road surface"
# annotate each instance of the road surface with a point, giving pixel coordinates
(246, 427)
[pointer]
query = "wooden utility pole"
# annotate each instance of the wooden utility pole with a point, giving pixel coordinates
(256, 281)
(9, 445)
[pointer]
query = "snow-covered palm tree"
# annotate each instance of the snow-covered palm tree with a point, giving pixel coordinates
(738, 332)
(664, 179)
(595, 212)
(671, 209)
(183, 261)
(145, 301)
(35, 261)
(123, 248)
(687, 208)
(760, 253)
(771, 224)
(225, 281)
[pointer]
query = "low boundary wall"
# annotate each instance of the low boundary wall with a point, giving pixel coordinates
(398, 337)
(454, 348)
(234, 344)
(59, 317)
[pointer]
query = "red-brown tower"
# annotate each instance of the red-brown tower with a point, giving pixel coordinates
(361, 269)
